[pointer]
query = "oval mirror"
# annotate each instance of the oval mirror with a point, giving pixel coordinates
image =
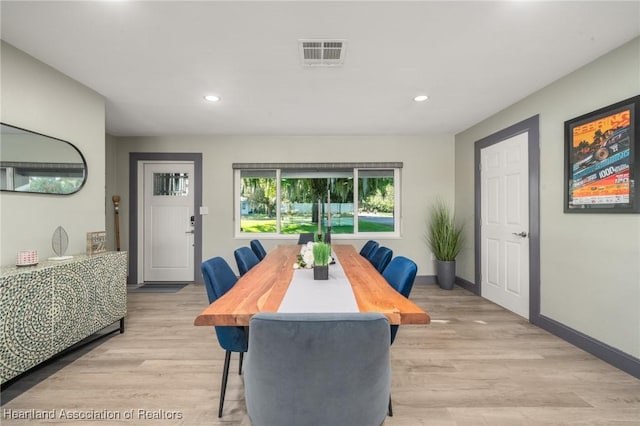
(32, 162)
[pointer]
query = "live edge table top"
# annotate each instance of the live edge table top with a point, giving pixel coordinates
(264, 286)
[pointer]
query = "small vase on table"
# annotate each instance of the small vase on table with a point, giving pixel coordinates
(321, 255)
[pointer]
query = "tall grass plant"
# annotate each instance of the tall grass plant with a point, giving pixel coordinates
(444, 237)
(321, 254)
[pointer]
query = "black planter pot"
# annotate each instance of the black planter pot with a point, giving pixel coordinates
(321, 272)
(446, 273)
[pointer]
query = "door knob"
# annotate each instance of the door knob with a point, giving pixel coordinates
(520, 234)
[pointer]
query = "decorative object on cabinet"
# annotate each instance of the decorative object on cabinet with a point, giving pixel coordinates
(116, 219)
(27, 258)
(47, 309)
(96, 242)
(60, 243)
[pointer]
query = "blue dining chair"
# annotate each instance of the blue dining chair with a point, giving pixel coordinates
(220, 278)
(368, 248)
(245, 259)
(258, 249)
(306, 237)
(318, 369)
(381, 258)
(400, 274)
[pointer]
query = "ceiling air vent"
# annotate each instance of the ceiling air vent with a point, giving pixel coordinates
(322, 53)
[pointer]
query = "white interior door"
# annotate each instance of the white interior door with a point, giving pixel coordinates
(504, 177)
(168, 221)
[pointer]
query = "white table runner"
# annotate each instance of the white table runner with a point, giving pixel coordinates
(329, 296)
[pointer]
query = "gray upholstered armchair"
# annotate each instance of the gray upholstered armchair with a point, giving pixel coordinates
(318, 369)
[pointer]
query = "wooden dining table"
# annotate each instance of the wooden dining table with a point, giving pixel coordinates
(263, 287)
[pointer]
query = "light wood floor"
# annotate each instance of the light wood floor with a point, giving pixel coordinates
(476, 364)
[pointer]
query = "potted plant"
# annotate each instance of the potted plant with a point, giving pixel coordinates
(445, 240)
(321, 255)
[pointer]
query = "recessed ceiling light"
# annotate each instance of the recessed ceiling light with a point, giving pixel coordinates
(212, 98)
(421, 98)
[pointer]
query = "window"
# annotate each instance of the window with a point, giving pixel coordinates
(258, 201)
(376, 201)
(171, 184)
(300, 198)
(305, 199)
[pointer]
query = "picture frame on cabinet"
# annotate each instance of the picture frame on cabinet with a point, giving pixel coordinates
(96, 242)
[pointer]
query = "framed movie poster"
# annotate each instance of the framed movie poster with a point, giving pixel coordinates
(601, 166)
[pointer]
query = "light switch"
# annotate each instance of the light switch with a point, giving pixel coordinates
(204, 210)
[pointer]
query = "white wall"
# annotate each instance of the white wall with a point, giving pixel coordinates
(37, 97)
(427, 174)
(36, 149)
(590, 263)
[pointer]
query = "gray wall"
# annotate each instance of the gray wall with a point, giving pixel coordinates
(427, 175)
(39, 98)
(590, 263)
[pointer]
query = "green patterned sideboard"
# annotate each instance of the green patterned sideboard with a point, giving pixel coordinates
(47, 308)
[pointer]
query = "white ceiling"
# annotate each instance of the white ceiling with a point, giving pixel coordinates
(153, 61)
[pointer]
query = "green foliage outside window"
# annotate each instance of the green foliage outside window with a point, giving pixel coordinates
(299, 204)
(50, 185)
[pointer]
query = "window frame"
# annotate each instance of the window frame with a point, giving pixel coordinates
(238, 168)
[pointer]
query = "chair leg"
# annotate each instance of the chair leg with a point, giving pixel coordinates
(390, 407)
(241, 358)
(225, 374)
